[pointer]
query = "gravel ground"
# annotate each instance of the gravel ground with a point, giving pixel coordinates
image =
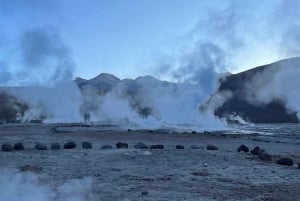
(154, 175)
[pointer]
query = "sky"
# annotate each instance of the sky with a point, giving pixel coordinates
(129, 38)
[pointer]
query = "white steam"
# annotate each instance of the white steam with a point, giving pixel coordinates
(16, 186)
(280, 83)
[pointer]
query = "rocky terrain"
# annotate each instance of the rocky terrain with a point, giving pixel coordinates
(206, 166)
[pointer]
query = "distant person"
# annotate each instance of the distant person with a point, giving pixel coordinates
(87, 117)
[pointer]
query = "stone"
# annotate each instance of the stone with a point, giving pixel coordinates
(211, 147)
(122, 145)
(196, 147)
(106, 147)
(298, 165)
(243, 148)
(7, 147)
(55, 146)
(157, 146)
(41, 146)
(69, 145)
(255, 150)
(19, 146)
(285, 161)
(145, 193)
(140, 145)
(264, 155)
(87, 145)
(179, 146)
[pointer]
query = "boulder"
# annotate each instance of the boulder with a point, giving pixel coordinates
(40, 146)
(86, 145)
(106, 147)
(55, 146)
(7, 147)
(243, 148)
(157, 146)
(122, 145)
(140, 145)
(69, 145)
(255, 150)
(285, 161)
(211, 147)
(19, 146)
(179, 146)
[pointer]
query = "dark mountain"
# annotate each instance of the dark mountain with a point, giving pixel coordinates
(239, 104)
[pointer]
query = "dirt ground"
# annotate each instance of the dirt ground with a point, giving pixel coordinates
(157, 175)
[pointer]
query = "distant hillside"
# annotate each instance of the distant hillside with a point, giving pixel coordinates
(238, 104)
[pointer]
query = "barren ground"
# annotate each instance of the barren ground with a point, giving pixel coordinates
(169, 174)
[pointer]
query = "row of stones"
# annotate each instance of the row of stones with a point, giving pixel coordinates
(265, 156)
(87, 145)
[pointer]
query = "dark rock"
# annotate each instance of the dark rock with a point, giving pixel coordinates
(145, 193)
(40, 146)
(150, 131)
(157, 146)
(264, 155)
(196, 147)
(106, 147)
(179, 146)
(55, 146)
(7, 147)
(298, 165)
(69, 145)
(86, 145)
(211, 147)
(122, 145)
(140, 145)
(285, 161)
(243, 148)
(129, 130)
(255, 150)
(19, 146)
(194, 132)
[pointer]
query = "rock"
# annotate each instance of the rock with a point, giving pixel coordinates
(285, 161)
(179, 146)
(194, 132)
(140, 145)
(265, 156)
(19, 146)
(298, 165)
(7, 147)
(86, 145)
(211, 147)
(255, 150)
(69, 145)
(55, 146)
(129, 130)
(106, 147)
(243, 148)
(40, 146)
(196, 147)
(157, 146)
(145, 193)
(122, 145)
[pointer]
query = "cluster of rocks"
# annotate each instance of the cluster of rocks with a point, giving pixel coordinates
(265, 156)
(87, 145)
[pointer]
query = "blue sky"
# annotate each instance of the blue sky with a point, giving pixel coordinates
(129, 38)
